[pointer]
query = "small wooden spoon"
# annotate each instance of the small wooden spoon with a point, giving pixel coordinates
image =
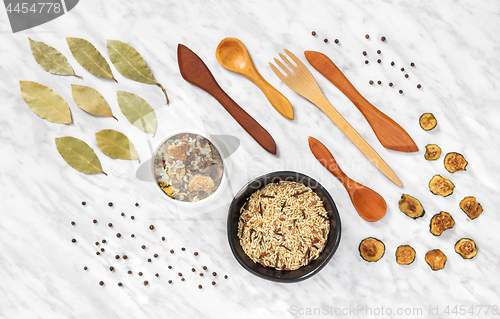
(368, 203)
(233, 55)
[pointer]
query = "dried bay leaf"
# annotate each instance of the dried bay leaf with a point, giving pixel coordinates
(91, 101)
(130, 63)
(116, 145)
(78, 155)
(90, 58)
(50, 59)
(45, 102)
(137, 111)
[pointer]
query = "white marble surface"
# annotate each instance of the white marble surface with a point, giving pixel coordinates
(454, 45)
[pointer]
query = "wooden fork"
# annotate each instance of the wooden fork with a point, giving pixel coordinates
(299, 79)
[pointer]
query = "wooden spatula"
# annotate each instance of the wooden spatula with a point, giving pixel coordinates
(389, 133)
(194, 70)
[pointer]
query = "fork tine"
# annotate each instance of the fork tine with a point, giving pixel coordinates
(282, 66)
(284, 58)
(277, 72)
(294, 58)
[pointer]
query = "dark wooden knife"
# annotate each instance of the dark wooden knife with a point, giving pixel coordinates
(390, 134)
(194, 70)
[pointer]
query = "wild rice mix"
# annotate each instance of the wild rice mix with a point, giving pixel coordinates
(188, 167)
(283, 225)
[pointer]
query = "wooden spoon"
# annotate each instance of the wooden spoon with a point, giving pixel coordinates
(195, 71)
(389, 133)
(233, 55)
(369, 204)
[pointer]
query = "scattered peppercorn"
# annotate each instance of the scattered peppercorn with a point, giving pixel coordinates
(125, 257)
(73, 223)
(214, 274)
(104, 241)
(157, 275)
(383, 39)
(412, 64)
(204, 267)
(97, 253)
(400, 91)
(132, 235)
(337, 41)
(132, 217)
(111, 268)
(200, 286)
(390, 84)
(84, 203)
(110, 225)
(118, 235)
(163, 238)
(129, 272)
(196, 253)
(102, 249)
(180, 274)
(117, 257)
(151, 227)
(201, 274)
(364, 53)
(136, 204)
(213, 283)
(169, 267)
(366, 62)
(402, 69)
(140, 273)
(193, 270)
(146, 282)
(378, 51)
(149, 260)
(371, 82)
(170, 282)
(325, 40)
(418, 86)
(101, 283)
(225, 276)
(120, 284)
(85, 268)
(379, 61)
(406, 75)
(143, 246)
(171, 251)
(182, 279)
(313, 33)
(183, 249)
(97, 243)
(110, 204)
(155, 255)
(123, 214)
(94, 221)
(73, 240)
(379, 82)
(367, 36)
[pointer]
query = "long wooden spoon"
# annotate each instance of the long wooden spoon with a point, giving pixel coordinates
(195, 71)
(368, 203)
(389, 133)
(233, 55)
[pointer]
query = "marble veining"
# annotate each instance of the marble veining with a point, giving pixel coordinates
(454, 46)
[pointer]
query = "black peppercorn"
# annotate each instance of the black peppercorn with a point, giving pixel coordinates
(313, 33)
(200, 286)
(367, 36)
(73, 223)
(104, 241)
(110, 225)
(73, 240)
(364, 53)
(213, 283)
(402, 69)
(94, 221)
(392, 63)
(139, 273)
(400, 91)
(383, 39)
(84, 203)
(169, 267)
(132, 235)
(371, 82)
(201, 274)
(123, 214)
(183, 249)
(412, 64)
(118, 235)
(101, 283)
(136, 204)
(379, 82)
(182, 279)
(171, 251)
(151, 227)
(418, 86)
(143, 246)
(180, 274)
(225, 276)
(390, 84)
(102, 249)
(379, 61)
(129, 272)
(146, 282)
(97, 243)
(125, 257)
(111, 268)
(214, 274)
(170, 282)
(149, 260)
(193, 270)
(155, 255)
(196, 253)
(163, 238)
(97, 253)
(85, 268)
(204, 267)
(117, 257)
(132, 217)
(378, 51)
(157, 275)
(325, 40)
(366, 62)
(337, 41)
(110, 204)
(120, 284)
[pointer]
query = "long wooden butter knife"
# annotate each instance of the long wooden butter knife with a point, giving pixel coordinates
(388, 132)
(194, 70)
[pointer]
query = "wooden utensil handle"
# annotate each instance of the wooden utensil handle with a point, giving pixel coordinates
(354, 136)
(249, 124)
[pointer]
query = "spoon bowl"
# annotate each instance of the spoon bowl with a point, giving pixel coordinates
(233, 55)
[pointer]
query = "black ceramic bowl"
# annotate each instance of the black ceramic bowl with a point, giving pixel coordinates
(270, 273)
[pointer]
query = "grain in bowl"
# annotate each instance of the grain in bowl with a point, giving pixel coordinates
(284, 226)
